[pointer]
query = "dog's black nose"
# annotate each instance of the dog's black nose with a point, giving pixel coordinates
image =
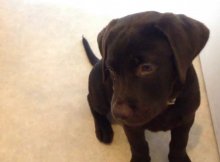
(122, 111)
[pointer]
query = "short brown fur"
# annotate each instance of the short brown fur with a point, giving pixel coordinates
(146, 64)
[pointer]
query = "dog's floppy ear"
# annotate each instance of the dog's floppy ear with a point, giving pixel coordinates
(102, 39)
(187, 38)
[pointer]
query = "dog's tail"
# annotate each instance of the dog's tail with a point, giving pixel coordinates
(91, 56)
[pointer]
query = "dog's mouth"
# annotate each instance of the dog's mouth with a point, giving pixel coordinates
(134, 122)
(133, 116)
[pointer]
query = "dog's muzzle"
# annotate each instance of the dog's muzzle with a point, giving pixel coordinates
(122, 111)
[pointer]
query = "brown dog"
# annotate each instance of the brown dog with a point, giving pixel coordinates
(146, 79)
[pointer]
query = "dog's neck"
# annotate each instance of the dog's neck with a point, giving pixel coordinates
(176, 90)
(171, 102)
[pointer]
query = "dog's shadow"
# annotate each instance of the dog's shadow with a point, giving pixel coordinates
(159, 142)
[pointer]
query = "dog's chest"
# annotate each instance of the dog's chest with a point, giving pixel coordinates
(166, 121)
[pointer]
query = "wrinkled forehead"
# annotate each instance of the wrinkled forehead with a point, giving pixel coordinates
(129, 41)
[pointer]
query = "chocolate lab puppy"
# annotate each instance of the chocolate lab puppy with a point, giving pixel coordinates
(146, 79)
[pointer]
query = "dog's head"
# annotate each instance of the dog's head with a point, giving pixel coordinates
(146, 55)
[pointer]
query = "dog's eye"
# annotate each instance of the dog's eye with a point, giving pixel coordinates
(145, 69)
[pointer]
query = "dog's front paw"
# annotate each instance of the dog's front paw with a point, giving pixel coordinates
(184, 158)
(104, 135)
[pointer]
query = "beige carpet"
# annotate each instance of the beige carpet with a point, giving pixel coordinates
(44, 115)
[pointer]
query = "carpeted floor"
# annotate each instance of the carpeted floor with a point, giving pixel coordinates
(44, 115)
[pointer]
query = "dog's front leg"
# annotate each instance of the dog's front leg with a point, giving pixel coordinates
(138, 144)
(178, 143)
